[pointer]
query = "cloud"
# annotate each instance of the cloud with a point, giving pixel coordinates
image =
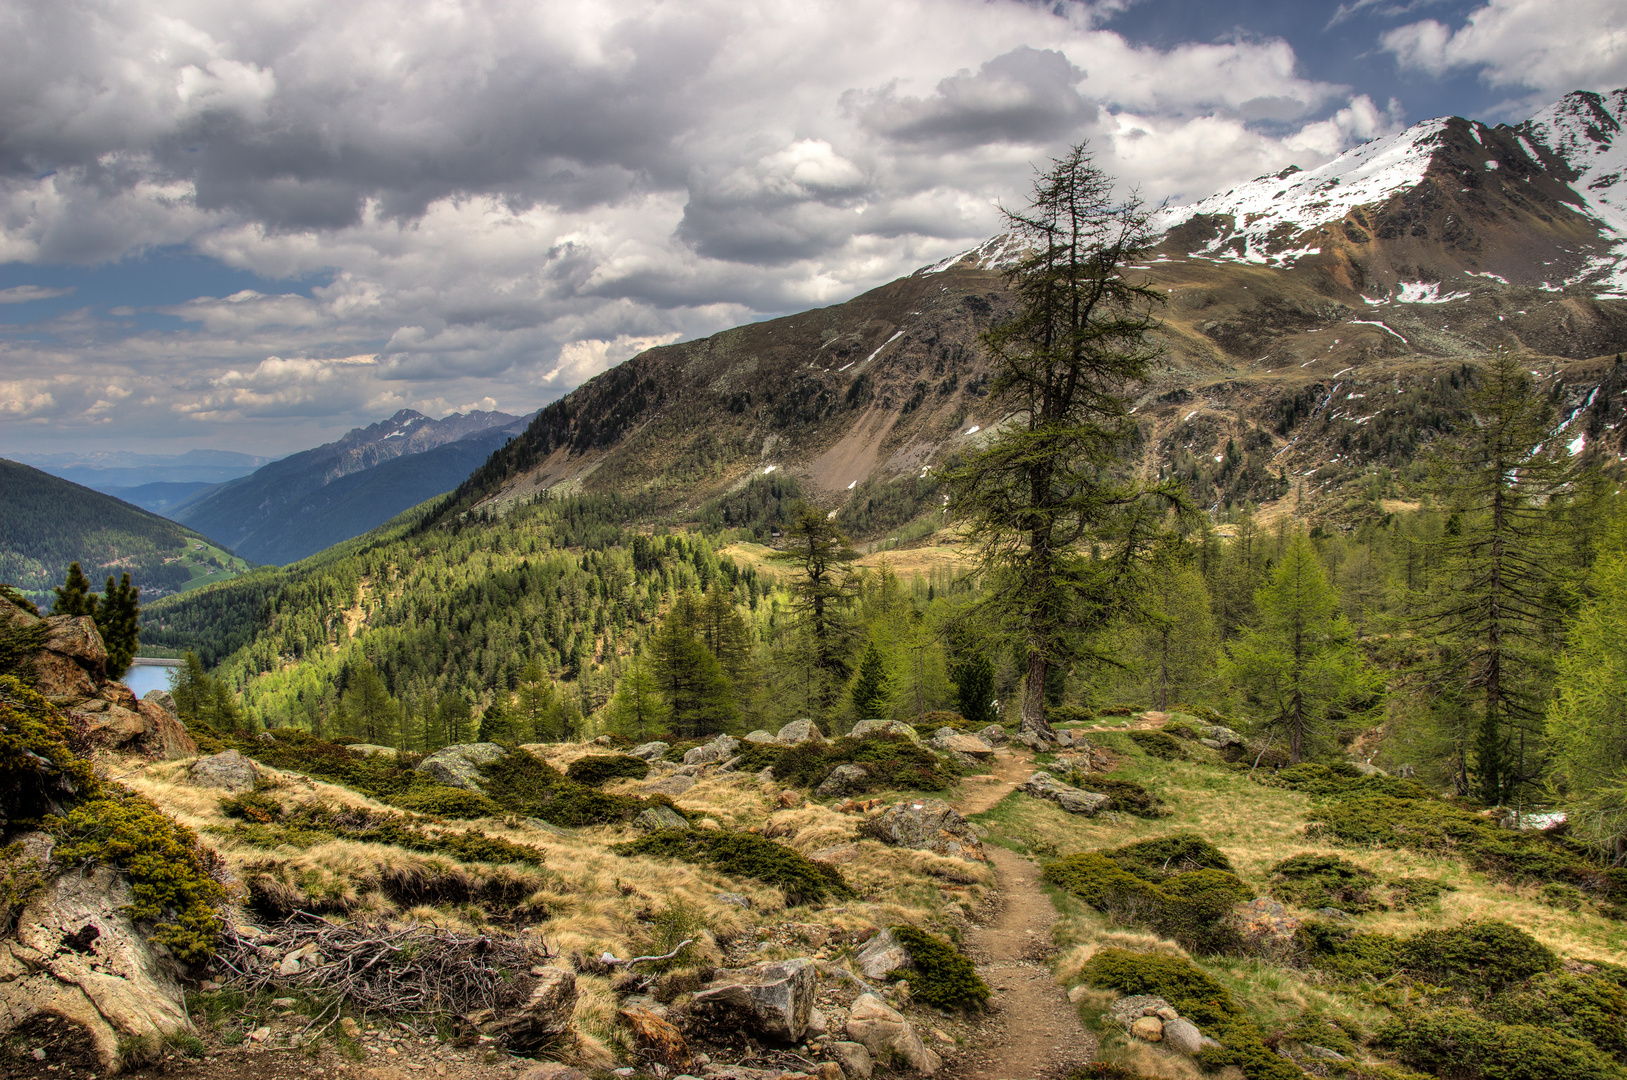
(23, 294)
(1528, 44)
(496, 199)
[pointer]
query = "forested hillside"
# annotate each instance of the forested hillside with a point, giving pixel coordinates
(47, 523)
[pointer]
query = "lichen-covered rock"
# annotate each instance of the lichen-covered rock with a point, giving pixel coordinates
(77, 956)
(854, 1059)
(109, 726)
(650, 751)
(880, 955)
(843, 780)
(1183, 1035)
(459, 765)
(1127, 1010)
(544, 1019)
(884, 727)
(994, 735)
(798, 732)
(760, 736)
(659, 817)
(890, 1039)
(164, 736)
(163, 699)
(229, 771)
(1148, 1029)
(927, 825)
(970, 745)
(1042, 785)
(60, 678)
(672, 786)
(76, 636)
(772, 1001)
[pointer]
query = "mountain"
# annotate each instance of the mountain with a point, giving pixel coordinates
(303, 503)
(106, 470)
(159, 495)
(47, 522)
(1315, 333)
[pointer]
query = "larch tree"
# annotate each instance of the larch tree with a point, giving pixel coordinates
(1060, 535)
(822, 592)
(1299, 665)
(1175, 647)
(636, 710)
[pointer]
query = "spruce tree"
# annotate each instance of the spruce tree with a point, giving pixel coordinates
(1060, 536)
(698, 696)
(974, 690)
(119, 620)
(73, 596)
(454, 717)
(823, 592)
(873, 688)
(499, 724)
(636, 710)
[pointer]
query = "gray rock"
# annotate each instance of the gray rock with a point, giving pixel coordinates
(760, 736)
(1038, 743)
(1367, 769)
(544, 1019)
(162, 698)
(706, 754)
(459, 765)
(113, 987)
(884, 727)
(734, 899)
(1222, 735)
(1042, 785)
(229, 771)
(772, 1001)
(369, 749)
(994, 735)
(649, 751)
(881, 954)
(843, 780)
(1183, 1035)
(853, 1058)
(1127, 1010)
(672, 785)
(658, 817)
(890, 1039)
(799, 731)
(927, 825)
(1322, 1053)
(726, 745)
(967, 746)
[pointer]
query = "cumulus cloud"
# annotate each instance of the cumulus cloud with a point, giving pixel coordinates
(1532, 44)
(496, 200)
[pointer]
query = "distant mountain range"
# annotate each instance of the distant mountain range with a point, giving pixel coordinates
(110, 471)
(305, 502)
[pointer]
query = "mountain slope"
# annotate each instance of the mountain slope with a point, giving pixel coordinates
(47, 522)
(106, 470)
(286, 510)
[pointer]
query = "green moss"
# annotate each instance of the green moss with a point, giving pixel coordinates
(20, 879)
(1464, 1045)
(1179, 885)
(1318, 881)
(942, 977)
(1157, 744)
(41, 772)
(1197, 996)
(595, 769)
(748, 855)
(171, 873)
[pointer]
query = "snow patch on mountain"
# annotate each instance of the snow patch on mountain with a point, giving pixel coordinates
(1585, 131)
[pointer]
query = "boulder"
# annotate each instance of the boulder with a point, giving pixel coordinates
(994, 735)
(1042, 785)
(706, 754)
(367, 749)
(544, 1019)
(1127, 1010)
(163, 699)
(109, 726)
(649, 751)
(970, 745)
(884, 727)
(163, 736)
(890, 1039)
(657, 1039)
(880, 955)
(459, 765)
(772, 1001)
(659, 817)
(672, 785)
(798, 732)
(853, 1058)
(836, 854)
(1183, 1035)
(843, 780)
(229, 771)
(60, 678)
(1148, 1029)
(927, 825)
(760, 736)
(76, 637)
(77, 957)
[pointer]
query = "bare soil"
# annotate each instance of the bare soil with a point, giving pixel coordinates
(1031, 1031)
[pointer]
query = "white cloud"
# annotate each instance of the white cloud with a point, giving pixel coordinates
(1547, 48)
(23, 294)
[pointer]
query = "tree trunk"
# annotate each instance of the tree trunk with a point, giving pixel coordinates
(1034, 722)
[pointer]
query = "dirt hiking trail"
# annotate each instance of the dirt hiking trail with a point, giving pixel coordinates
(1031, 1032)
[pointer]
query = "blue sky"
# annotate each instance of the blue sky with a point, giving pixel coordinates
(254, 225)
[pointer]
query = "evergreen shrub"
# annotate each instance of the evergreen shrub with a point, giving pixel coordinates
(1128, 796)
(892, 762)
(1464, 1045)
(595, 769)
(1157, 744)
(743, 854)
(942, 977)
(1179, 886)
(1318, 881)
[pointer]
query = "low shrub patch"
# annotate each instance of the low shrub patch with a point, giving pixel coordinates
(309, 824)
(1464, 1045)
(1319, 881)
(942, 977)
(892, 761)
(1479, 959)
(595, 769)
(1180, 886)
(1069, 714)
(1128, 796)
(741, 854)
(522, 783)
(1157, 744)
(1585, 1006)
(1417, 892)
(446, 802)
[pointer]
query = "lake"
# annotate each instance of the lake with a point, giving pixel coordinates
(144, 677)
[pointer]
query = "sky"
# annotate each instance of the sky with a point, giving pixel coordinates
(255, 224)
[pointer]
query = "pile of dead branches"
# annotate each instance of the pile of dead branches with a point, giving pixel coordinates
(371, 967)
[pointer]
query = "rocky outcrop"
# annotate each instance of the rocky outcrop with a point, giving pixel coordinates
(890, 1039)
(459, 765)
(545, 1018)
(994, 735)
(1152, 1019)
(843, 780)
(854, 1059)
(884, 727)
(880, 955)
(650, 751)
(771, 1001)
(798, 732)
(927, 825)
(759, 736)
(719, 749)
(77, 956)
(1042, 785)
(229, 771)
(671, 786)
(658, 818)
